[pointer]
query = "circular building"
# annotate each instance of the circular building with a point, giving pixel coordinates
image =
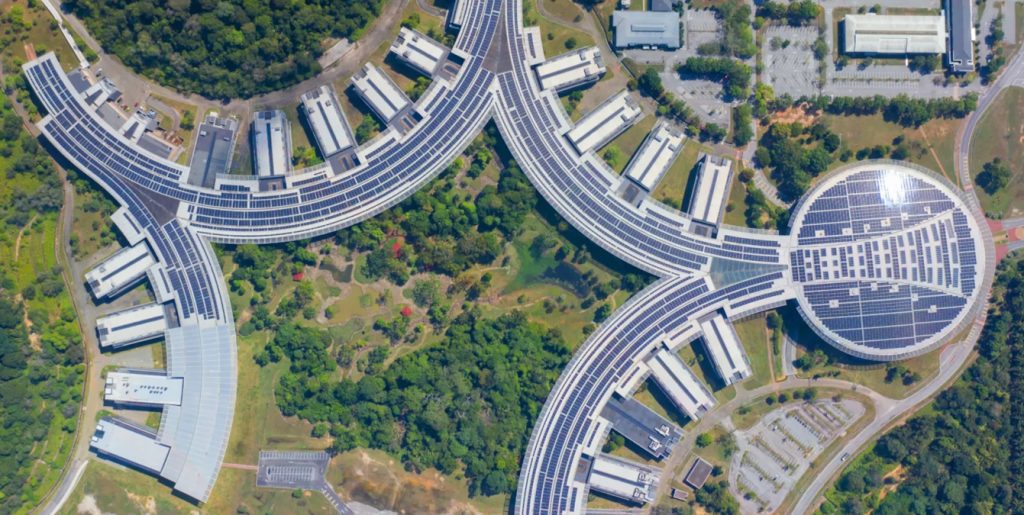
(887, 260)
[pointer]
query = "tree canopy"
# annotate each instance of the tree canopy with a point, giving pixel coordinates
(223, 48)
(963, 456)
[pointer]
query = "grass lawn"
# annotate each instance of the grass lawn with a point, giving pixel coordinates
(40, 34)
(1000, 134)
(673, 187)
(108, 488)
(753, 334)
(627, 143)
(555, 36)
(566, 11)
(702, 367)
(91, 229)
(736, 206)
(932, 144)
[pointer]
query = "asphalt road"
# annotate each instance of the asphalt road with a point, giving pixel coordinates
(954, 357)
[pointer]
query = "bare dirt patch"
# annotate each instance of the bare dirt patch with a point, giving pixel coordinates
(88, 506)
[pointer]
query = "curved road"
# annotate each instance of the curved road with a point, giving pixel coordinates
(955, 357)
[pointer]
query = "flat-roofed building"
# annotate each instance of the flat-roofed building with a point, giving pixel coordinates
(131, 326)
(420, 52)
(725, 349)
(129, 443)
(960, 28)
(380, 93)
(710, 190)
(458, 11)
(214, 146)
(642, 426)
(102, 91)
(330, 127)
(680, 384)
(604, 123)
(119, 272)
(893, 34)
(650, 163)
(646, 29)
(698, 474)
(271, 143)
(534, 44)
(571, 69)
(140, 387)
(624, 479)
(663, 6)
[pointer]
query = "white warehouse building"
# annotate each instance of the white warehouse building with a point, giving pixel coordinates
(894, 34)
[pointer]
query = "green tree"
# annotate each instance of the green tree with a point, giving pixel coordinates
(994, 176)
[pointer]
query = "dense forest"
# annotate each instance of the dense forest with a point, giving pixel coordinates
(964, 455)
(223, 49)
(469, 400)
(40, 344)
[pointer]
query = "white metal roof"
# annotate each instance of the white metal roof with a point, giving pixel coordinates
(655, 156)
(330, 127)
(605, 122)
(150, 387)
(380, 92)
(711, 189)
(680, 384)
(131, 325)
(458, 11)
(198, 430)
(571, 69)
(725, 349)
(272, 143)
(128, 442)
(419, 51)
(894, 34)
(622, 478)
(119, 271)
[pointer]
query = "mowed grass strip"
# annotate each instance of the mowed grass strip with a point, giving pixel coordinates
(1000, 134)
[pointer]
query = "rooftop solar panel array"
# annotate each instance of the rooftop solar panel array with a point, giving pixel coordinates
(900, 244)
(887, 259)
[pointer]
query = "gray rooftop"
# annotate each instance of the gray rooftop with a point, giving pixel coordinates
(642, 426)
(698, 474)
(646, 28)
(215, 143)
(959, 25)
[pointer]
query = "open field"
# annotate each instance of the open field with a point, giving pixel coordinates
(932, 144)
(375, 478)
(557, 35)
(1000, 134)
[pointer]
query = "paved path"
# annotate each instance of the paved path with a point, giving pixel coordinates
(768, 188)
(722, 415)
(951, 362)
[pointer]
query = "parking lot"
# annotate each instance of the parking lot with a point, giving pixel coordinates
(774, 453)
(292, 469)
(789, 63)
